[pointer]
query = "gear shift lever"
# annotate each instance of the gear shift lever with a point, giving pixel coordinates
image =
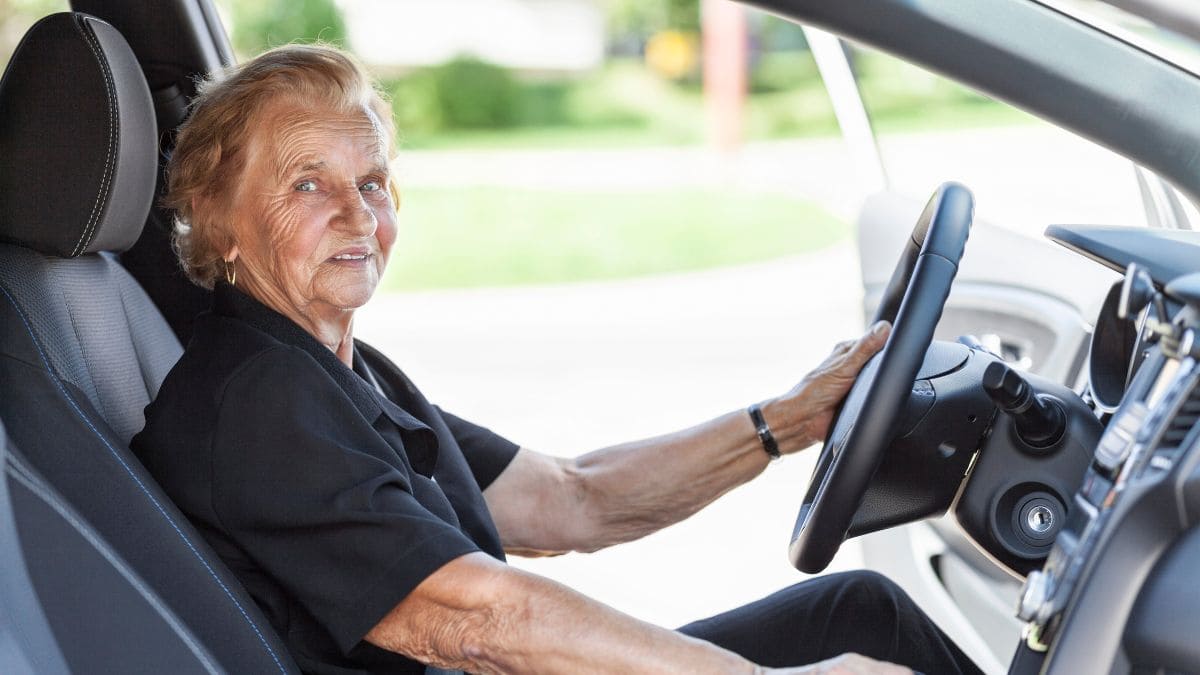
(1040, 422)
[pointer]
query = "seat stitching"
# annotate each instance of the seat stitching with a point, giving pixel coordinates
(109, 161)
(145, 491)
(25, 476)
(18, 359)
(89, 230)
(110, 158)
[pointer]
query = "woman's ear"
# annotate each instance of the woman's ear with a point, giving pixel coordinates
(223, 238)
(199, 205)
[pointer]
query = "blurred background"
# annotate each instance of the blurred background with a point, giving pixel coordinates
(622, 217)
(522, 79)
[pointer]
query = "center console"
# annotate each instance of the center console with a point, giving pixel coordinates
(1136, 500)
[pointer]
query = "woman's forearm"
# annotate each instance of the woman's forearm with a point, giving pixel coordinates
(482, 616)
(634, 489)
(546, 505)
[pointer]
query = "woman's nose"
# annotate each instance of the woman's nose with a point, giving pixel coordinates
(356, 217)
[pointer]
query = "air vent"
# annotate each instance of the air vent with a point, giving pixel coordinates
(1182, 422)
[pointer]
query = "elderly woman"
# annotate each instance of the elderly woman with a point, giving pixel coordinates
(370, 525)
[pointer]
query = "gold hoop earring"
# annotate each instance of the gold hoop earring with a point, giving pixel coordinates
(231, 272)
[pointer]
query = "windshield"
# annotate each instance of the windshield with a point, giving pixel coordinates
(1156, 38)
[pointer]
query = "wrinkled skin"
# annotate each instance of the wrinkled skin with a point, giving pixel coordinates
(315, 186)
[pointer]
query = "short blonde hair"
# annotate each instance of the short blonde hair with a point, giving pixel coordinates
(210, 146)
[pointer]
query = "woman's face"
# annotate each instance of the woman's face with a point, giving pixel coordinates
(313, 218)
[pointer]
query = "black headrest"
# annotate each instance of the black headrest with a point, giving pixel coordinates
(78, 141)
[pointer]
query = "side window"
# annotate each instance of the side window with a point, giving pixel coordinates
(16, 16)
(1025, 173)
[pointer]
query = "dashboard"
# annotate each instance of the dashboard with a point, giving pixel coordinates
(1118, 591)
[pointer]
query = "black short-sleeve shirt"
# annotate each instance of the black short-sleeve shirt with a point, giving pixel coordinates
(331, 493)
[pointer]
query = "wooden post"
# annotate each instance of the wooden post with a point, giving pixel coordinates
(726, 59)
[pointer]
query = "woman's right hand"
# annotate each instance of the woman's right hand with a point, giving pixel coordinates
(846, 664)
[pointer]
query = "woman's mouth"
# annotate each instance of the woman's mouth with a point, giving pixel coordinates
(351, 258)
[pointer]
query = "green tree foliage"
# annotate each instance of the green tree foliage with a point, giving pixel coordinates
(473, 94)
(262, 24)
(646, 17)
(464, 93)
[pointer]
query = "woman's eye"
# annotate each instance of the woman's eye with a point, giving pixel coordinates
(306, 186)
(371, 186)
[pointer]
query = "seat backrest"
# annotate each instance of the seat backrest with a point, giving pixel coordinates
(61, 579)
(82, 349)
(98, 334)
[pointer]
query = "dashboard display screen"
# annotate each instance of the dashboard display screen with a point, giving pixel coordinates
(1113, 343)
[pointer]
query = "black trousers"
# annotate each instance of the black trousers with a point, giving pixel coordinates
(861, 612)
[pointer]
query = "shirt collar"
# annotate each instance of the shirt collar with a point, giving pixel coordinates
(230, 302)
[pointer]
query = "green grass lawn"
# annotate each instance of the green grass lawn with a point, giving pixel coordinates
(487, 236)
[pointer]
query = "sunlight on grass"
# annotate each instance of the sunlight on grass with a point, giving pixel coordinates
(487, 236)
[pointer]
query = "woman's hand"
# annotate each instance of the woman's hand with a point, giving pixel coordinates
(802, 416)
(846, 664)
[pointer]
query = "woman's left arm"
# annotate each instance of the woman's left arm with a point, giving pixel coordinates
(545, 505)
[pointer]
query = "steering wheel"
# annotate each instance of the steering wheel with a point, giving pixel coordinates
(855, 444)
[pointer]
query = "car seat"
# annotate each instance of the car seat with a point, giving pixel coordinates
(82, 348)
(61, 579)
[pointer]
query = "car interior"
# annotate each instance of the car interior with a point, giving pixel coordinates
(1074, 486)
